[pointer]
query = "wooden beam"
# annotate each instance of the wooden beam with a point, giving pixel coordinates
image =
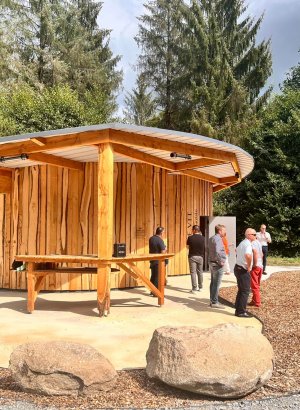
(143, 157)
(39, 141)
(5, 181)
(152, 160)
(55, 142)
(201, 175)
(6, 170)
(228, 180)
(138, 140)
(218, 188)
(197, 163)
(54, 160)
(105, 224)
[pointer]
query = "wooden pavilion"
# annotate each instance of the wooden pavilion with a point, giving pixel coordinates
(75, 192)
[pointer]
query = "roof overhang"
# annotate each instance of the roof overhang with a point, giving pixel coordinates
(215, 161)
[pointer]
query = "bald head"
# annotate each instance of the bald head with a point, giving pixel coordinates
(250, 234)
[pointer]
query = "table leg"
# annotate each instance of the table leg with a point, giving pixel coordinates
(161, 281)
(30, 287)
(103, 290)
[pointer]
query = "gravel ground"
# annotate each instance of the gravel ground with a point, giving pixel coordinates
(280, 314)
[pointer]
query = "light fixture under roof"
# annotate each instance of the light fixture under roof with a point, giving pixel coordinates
(22, 156)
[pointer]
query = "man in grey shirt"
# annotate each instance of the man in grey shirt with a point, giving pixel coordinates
(217, 258)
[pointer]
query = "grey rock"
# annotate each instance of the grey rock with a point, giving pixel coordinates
(226, 361)
(61, 368)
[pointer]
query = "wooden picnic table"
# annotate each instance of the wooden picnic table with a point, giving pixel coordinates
(39, 266)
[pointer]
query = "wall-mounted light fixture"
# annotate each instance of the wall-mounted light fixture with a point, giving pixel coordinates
(22, 156)
(184, 156)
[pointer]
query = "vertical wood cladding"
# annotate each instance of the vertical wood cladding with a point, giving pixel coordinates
(54, 210)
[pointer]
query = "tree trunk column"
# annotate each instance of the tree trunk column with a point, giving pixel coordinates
(105, 224)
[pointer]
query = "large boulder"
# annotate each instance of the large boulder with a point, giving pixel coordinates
(61, 368)
(227, 361)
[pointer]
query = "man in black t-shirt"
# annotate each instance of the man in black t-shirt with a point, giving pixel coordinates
(156, 245)
(196, 244)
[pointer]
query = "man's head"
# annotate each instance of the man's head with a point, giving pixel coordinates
(220, 229)
(196, 229)
(250, 234)
(263, 228)
(159, 231)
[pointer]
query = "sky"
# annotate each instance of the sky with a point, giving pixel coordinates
(281, 24)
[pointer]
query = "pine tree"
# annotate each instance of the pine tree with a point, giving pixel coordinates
(59, 42)
(139, 104)
(228, 68)
(161, 42)
(292, 81)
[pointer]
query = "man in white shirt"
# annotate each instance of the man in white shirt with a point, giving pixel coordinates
(244, 256)
(264, 239)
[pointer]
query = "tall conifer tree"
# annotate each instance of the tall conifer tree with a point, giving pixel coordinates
(60, 42)
(139, 104)
(234, 68)
(160, 61)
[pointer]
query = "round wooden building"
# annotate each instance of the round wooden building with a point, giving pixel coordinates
(78, 191)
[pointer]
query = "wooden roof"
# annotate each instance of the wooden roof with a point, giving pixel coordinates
(212, 160)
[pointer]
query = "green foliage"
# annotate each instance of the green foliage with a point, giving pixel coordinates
(140, 106)
(283, 261)
(25, 109)
(293, 79)
(45, 43)
(228, 69)
(271, 193)
(204, 65)
(161, 61)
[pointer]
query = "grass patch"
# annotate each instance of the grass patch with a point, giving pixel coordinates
(283, 261)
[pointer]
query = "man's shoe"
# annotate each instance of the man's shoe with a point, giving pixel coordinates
(194, 292)
(217, 306)
(199, 290)
(264, 273)
(243, 315)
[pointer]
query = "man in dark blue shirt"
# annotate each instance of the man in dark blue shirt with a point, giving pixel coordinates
(196, 244)
(156, 245)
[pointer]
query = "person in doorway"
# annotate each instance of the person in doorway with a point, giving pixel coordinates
(242, 268)
(196, 245)
(226, 267)
(256, 273)
(156, 245)
(217, 258)
(264, 238)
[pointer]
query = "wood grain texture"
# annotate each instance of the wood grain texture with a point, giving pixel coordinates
(54, 210)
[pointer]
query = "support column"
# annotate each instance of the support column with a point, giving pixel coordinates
(105, 224)
(30, 287)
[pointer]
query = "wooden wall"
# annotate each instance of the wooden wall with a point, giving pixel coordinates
(54, 210)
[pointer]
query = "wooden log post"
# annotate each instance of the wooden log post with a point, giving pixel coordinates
(30, 287)
(105, 224)
(161, 281)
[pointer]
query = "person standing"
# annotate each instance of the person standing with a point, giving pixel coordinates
(256, 273)
(196, 244)
(156, 245)
(264, 238)
(242, 268)
(217, 258)
(226, 267)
